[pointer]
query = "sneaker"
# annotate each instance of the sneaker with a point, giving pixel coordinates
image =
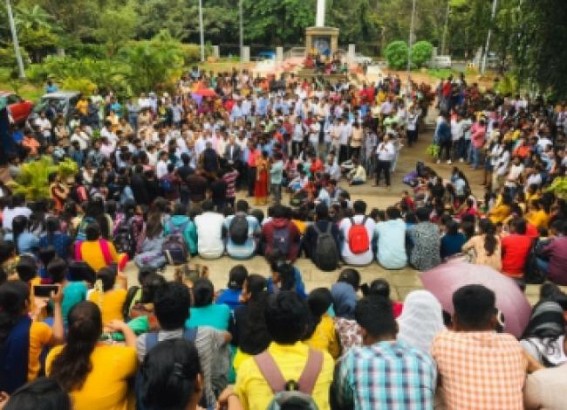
(449, 162)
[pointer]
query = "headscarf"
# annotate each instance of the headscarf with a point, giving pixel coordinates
(421, 320)
(344, 300)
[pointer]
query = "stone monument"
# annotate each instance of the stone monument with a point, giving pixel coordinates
(325, 40)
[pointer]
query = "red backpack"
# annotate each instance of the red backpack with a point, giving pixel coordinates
(358, 240)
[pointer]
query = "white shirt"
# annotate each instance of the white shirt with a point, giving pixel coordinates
(362, 258)
(513, 175)
(161, 169)
(10, 213)
(82, 138)
(386, 151)
(209, 231)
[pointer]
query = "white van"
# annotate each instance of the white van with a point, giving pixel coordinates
(440, 62)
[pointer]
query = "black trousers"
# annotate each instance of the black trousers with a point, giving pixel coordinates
(383, 166)
(343, 154)
(251, 180)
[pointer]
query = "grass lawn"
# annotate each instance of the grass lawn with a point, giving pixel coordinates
(24, 89)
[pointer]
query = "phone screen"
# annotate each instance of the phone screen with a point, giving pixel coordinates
(44, 291)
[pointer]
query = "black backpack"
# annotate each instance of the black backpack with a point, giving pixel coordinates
(326, 255)
(238, 229)
(124, 240)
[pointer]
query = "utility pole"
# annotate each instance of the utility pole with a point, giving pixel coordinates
(17, 52)
(445, 28)
(241, 26)
(488, 36)
(201, 30)
(410, 43)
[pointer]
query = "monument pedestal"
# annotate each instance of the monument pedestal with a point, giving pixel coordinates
(324, 39)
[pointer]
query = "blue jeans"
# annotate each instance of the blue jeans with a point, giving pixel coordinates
(543, 266)
(476, 156)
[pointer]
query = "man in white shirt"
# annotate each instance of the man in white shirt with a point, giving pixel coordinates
(210, 244)
(359, 218)
(344, 137)
(81, 137)
(385, 153)
(161, 166)
(44, 126)
(514, 175)
(16, 208)
(332, 168)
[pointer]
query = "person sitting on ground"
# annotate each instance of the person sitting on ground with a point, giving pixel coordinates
(357, 175)
(452, 241)
(321, 332)
(324, 255)
(381, 287)
(206, 313)
(285, 277)
(496, 364)
(384, 372)
(243, 231)
(281, 234)
(73, 291)
(81, 367)
(357, 233)
(251, 335)
(210, 226)
(97, 252)
(425, 239)
(286, 319)
(556, 254)
(109, 299)
(421, 319)
(391, 240)
(171, 307)
(180, 223)
(344, 302)
(544, 337)
(485, 245)
(41, 394)
(232, 295)
(515, 249)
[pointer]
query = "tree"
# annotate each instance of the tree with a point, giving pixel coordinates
(116, 26)
(397, 55)
(421, 53)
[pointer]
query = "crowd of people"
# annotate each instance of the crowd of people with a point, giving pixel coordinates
(158, 184)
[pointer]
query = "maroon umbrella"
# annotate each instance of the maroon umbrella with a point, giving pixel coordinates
(446, 278)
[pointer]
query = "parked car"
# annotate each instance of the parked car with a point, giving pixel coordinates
(62, 102)
(19, 108)
(266, 55)
(438, 62)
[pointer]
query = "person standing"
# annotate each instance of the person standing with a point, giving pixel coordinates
(276, 176)
(253, 156)
(261, 185)
(444, 138)
(385, 153)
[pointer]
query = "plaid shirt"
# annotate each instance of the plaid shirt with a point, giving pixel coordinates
(387, 375)
(480, 370)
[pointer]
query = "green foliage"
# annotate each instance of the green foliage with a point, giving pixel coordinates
(32, 181)
(67, 168)
(558, 187)
(397, 55)
(115, 27)
(508, 85)
(84, 85)
(421, 53)
(191, 53)
(432, 150)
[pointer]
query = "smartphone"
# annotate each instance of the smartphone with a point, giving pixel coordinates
(44, 291)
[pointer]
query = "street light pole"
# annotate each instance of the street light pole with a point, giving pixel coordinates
(445, 28)
(17, 52)
(488, 36)
(201, 30)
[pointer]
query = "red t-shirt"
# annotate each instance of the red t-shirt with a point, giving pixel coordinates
(515, 249)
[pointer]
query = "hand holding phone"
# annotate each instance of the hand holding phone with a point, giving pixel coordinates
(45, 291)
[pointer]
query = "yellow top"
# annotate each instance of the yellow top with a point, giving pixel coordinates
(499, 213)
(325, 337)
(255, 393)
(538, 219)
(106, 386)
(301, 225)
(110, 304)
(40, 336)
(91, 252)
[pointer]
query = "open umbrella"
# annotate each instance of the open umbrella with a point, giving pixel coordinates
(446, 278)
(206, 92)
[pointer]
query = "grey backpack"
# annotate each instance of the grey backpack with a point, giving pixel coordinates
(326, 255)
(291, 394)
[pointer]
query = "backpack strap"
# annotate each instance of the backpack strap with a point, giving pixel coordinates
(151, 341)
(190, 334)
(270, 371)
(329, 227)
(311, 371)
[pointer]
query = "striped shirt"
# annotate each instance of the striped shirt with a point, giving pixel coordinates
(387, 375)
(230, 179)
